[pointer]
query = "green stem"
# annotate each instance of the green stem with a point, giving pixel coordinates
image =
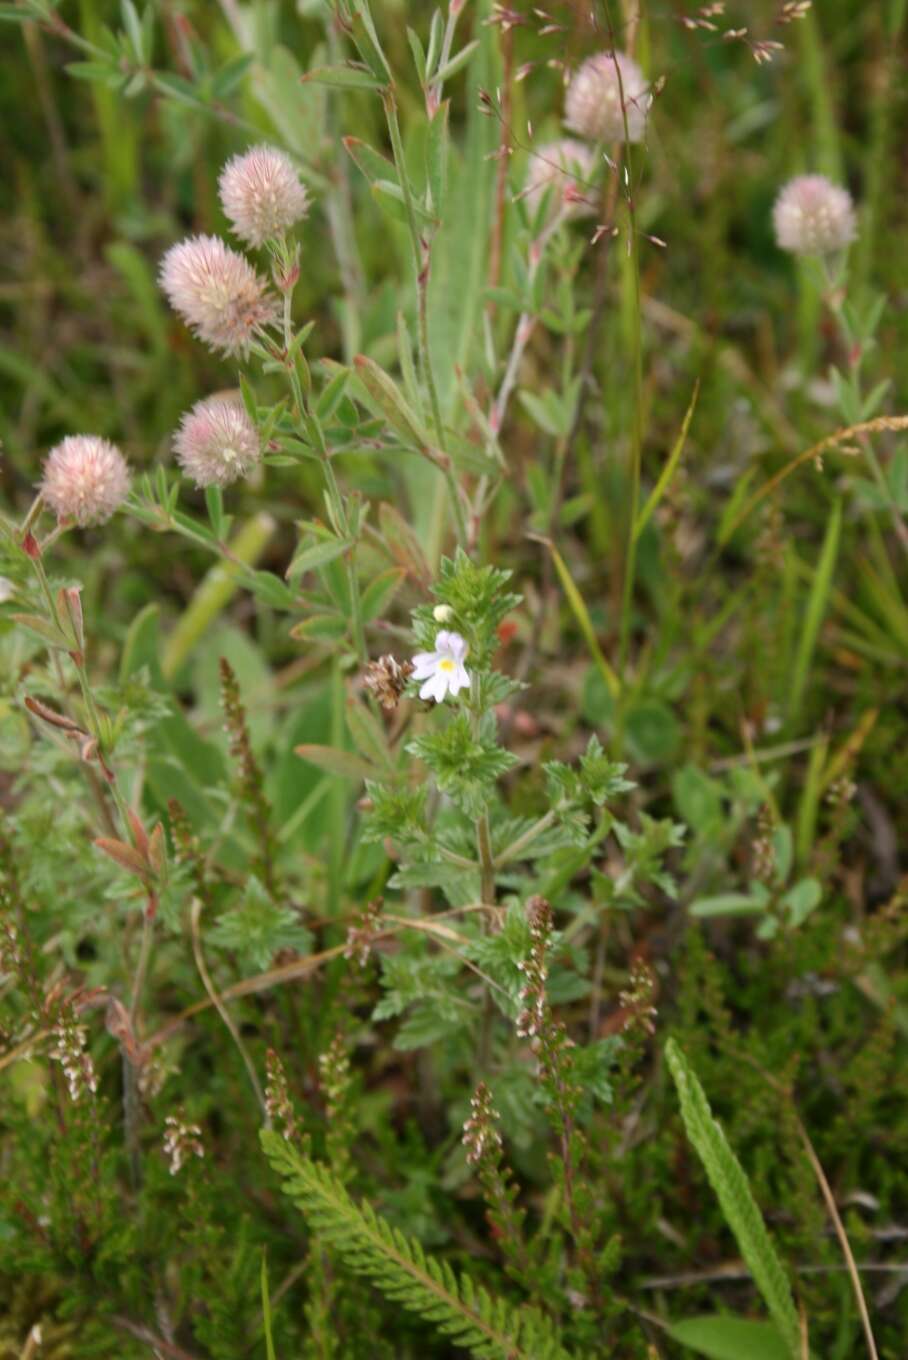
(421, 271)
(516, 848)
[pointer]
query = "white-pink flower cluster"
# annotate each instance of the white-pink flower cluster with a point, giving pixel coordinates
(261, 194)
(217, 293)
(561, 168)
(217, 442)
(813, 216)
(85, 479)
(606, 90)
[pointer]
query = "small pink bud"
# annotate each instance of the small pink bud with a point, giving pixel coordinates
(813, 216)
(217, 442)
(261, 195)
(593, 104)
(217, 293)
(85, 479)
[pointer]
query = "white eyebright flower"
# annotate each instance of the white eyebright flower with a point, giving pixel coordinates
(442, 670)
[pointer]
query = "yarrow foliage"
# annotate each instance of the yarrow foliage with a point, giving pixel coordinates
(217, 293)
(217, 443)
(605, 90)
(85, 479)
(813, 216)
(261, 195)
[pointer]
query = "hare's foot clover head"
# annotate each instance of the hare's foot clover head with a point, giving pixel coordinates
(442, 670)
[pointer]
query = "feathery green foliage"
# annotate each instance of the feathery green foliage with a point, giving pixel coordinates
(489, 1328)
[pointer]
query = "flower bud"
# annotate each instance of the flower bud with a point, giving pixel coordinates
(442, 613)
(217, 442)
(217, 293)
(593, 104)
(85, 479)
(813, 216)
(261, 195)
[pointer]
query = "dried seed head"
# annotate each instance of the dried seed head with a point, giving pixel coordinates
(561, 167)
(593, 105)
(182, 1140)
(387, 679)
(217, 293)
(813, 216)
(217, 442)
(85, 479)
(261, 194)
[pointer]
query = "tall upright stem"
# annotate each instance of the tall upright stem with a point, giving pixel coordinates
(421, 257)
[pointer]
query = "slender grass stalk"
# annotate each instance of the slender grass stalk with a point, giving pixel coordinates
(421, 263)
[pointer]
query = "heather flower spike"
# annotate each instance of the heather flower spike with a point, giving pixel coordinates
(442, 671)
(813, 216)
(557, 166)
(593, 104)
(261, 195)
(85, 479)
(217, 293)
(217, 443)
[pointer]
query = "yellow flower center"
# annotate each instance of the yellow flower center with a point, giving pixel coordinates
(446, 664)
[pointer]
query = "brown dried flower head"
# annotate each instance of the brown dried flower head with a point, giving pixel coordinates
(387, 678)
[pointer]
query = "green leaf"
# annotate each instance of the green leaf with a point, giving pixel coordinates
(391, 402)
(698, 798)
(259, 927)
(380, 592)
(336, 761)
(730, 1338)
(668, 471)
(730, 904)
(437, 158)
(738, 1205)
(342, 77)
(317, 555)
(457, 63)
(372, 163)
(813, 615)
(653, 731)
(465, 1313)
(48, 632)
(585, 623)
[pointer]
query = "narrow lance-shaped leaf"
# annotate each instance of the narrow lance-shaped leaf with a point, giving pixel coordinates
(739, 1207)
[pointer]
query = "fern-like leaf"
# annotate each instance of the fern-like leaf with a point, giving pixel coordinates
(489, 1328)
(733, 1191)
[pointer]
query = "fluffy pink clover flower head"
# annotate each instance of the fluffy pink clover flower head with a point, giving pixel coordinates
(557, 166)
(592, 106)
(261, 194)
(217, 293)
(217, 443)
(442, 671)
(85, 479)
(813, 216)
